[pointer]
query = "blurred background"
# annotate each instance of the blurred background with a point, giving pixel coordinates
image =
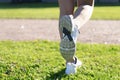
(25, 1)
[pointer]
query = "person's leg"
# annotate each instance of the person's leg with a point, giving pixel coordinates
(69, 27)
(66, 8)
(83, 12)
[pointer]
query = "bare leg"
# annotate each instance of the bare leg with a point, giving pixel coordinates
(81, 15)
(66, 8)
(83, 12)
(69, 23)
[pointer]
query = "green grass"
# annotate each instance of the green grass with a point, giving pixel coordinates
(29, 11)
(51, 11)
(106, 12)
(41, 60)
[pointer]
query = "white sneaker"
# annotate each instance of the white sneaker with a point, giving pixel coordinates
(70, 32)
(71, 68)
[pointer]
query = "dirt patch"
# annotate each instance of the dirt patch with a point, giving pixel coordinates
(95, 31)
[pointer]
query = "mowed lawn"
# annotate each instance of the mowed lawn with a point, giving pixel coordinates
(41, 60)
(51, 11)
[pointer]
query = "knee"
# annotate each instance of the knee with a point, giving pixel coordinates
(66, 12)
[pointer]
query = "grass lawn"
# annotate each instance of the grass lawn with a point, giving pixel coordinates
(41, 60)
(51, 11)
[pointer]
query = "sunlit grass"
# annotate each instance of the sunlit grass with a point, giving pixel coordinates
(106, 12)
(51, 11)
(41, 60)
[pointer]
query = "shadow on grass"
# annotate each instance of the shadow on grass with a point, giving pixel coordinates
(57, 76)
(27, 5)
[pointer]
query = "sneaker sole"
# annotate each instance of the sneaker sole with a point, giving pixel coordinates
(66, 20)
(67, 46)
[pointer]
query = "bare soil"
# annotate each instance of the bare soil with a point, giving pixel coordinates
(94, 31)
